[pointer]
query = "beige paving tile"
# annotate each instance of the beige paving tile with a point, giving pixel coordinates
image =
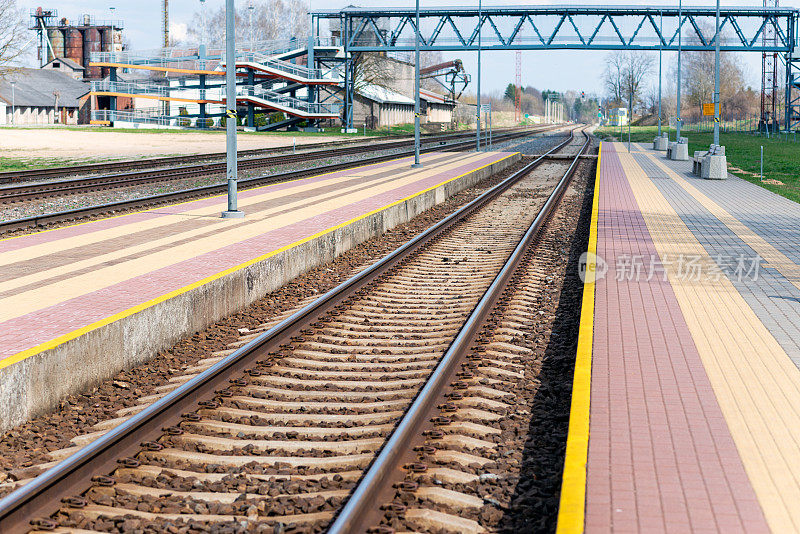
(757, 385)
(211, 212)
(234, 231)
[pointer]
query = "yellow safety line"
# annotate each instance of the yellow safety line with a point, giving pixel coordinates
(18, 357)
(572, 507)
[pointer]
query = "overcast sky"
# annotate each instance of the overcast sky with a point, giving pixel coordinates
(559, 70)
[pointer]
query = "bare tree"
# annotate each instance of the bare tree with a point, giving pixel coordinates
(271, 20)
(625, 74)
(12, 35)
(698, 79)
(372, 69)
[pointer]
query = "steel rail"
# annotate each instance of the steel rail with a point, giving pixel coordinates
(18, 193)
(363, 502)
(42, 496)
(8, 177)
(209, 190)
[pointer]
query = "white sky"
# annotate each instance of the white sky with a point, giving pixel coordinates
(559, 70)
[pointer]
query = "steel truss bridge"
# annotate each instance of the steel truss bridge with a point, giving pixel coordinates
(742, 29)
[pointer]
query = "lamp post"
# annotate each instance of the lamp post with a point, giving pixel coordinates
(250, 8)
(678, 120)
(660, 48)
(716, 81)
(478, 106)
(230, 103)
(416, 90)
(13, 103)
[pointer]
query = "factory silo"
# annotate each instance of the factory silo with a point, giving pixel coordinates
(91, 43)
(74, 45)
(106, 45)
(56, 37)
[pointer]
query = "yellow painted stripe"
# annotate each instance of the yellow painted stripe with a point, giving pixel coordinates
(572, 508)
(18, 357)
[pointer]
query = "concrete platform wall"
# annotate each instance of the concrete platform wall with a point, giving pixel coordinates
(36, 385)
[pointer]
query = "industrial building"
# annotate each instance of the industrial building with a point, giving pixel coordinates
(75, 40)
(43, 96)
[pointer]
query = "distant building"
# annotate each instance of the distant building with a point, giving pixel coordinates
(67, 66)
(44, 96)
(379, 107)
(392, 102)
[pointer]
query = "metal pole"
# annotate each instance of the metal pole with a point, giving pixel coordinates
(416, 91)
(250, 9)
(630, 117)
(660, 49)
(230, 104)
(678, 111)
(13, 104)
(761, 174)
(716, 81)
(478, 107)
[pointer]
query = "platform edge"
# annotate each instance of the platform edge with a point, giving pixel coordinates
(572, 504)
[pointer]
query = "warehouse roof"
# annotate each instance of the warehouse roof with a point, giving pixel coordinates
(35, 87)
(382, 95)
(66, 61)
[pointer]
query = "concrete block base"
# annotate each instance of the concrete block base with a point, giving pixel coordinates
(679, 152)
(660, 144)
(714, 168)
(38, 383)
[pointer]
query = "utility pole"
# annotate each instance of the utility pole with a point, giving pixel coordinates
(660, 48)
(678, 120)
(716, 81)
(478, 106)
(230, 103)
(416, 90)
(250, 8)
(13, 103)
(165, 23)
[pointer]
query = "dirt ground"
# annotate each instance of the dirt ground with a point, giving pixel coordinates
(104, 143)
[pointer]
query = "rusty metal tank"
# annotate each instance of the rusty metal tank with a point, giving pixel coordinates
(92, 42)
(74, 45)
(56, 37)
(106, 45)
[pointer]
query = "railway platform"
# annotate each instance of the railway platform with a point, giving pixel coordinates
(79, 303)
(686, 399)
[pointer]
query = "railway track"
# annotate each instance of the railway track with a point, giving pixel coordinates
(197, 192)
(278, 431)
(10, 194)
(247, 158)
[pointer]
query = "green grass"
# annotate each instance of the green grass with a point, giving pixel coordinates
(781, 156)
(25, 164)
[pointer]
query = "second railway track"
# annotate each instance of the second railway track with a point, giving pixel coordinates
(281, 431)
(14, 194)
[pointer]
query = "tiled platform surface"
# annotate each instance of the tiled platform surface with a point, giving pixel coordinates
(77, 284)
(692, 383)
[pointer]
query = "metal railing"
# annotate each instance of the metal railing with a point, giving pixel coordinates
(300, 71)
(289, 103)
(138, 116)
(107, 86)
(166, 56)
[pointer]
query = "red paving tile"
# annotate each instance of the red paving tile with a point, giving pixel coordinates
(41, 326)
(661, 457)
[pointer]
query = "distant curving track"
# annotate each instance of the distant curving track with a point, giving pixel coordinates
(307, 422)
